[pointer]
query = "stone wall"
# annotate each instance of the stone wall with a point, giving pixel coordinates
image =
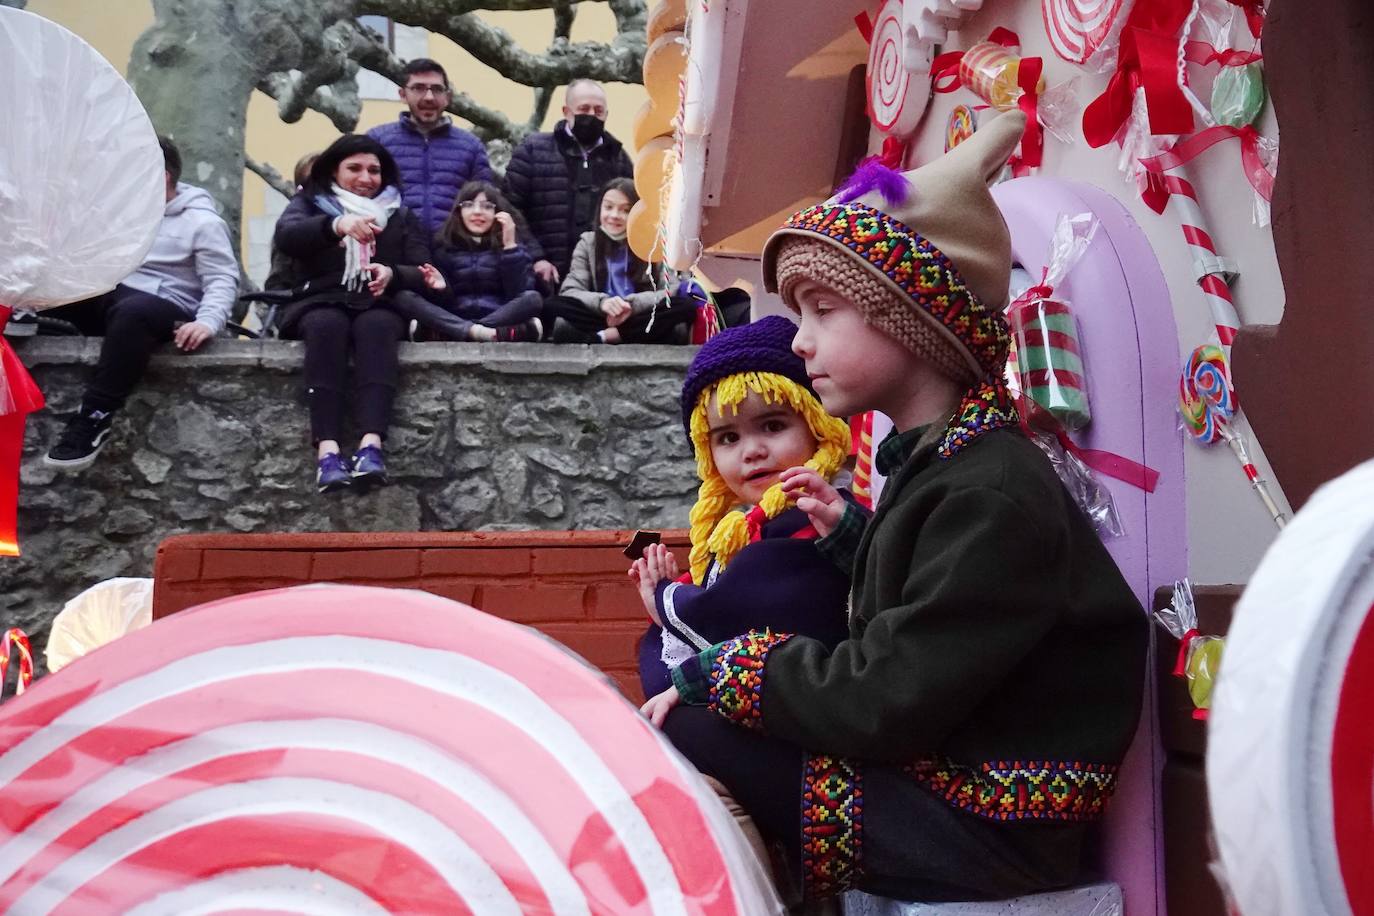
(486, 437)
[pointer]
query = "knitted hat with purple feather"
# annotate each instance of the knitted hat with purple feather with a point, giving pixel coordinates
(763, 346)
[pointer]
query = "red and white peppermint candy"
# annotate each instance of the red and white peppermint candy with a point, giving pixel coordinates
(1077, 28)
(343, 749)
(896, 99)
(1290, 743)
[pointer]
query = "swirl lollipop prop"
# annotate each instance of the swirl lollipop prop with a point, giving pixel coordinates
(1208, 405)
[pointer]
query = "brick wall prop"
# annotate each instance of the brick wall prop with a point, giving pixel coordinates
(570, 585)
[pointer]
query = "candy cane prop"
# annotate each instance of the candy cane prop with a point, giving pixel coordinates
(1213, 273)
(330, 748)
(13, 639)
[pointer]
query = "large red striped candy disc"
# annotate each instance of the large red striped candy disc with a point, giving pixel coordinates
(1077, 28)
(1290, 738)
(339, 749)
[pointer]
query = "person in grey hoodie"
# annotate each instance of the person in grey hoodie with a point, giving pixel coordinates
(183, 292)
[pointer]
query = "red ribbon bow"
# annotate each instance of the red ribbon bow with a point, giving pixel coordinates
(1200, 52)
(1148, 58)
(1254, 14)
(1185, 643)
(19, 397)
(1035, 418)
(754, 520)
(1260, 178)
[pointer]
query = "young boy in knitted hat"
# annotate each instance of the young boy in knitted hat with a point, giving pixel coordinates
(750, 414)
(959, 744)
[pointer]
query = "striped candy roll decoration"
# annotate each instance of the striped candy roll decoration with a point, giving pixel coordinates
(343, 749)
(1050, 360)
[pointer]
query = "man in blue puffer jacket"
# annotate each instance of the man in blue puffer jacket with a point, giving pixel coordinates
(435, 156)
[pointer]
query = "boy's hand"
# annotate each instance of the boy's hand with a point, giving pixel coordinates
(822, 503)
(657, 708)
(657, 564)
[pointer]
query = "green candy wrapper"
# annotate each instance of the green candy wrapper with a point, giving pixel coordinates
(1238, 95)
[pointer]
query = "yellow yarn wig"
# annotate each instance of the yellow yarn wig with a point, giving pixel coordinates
(718, 528)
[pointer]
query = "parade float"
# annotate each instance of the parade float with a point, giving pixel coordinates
(280, 750)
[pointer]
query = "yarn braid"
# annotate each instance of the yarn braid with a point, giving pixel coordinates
(717, 529)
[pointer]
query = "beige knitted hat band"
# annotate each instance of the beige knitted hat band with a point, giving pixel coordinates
(898, 317)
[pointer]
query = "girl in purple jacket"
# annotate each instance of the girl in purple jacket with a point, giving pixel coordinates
(756, 563)
(482, 274)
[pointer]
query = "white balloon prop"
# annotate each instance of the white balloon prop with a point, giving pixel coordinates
(1290, 746)
(81, 174)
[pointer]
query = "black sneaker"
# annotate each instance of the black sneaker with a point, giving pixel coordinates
(526, 332)
(81, 441)
(23, 323)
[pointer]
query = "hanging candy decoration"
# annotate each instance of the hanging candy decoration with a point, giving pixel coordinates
(896, 100)
(963, 121)
(1077, 28)
(298, 751)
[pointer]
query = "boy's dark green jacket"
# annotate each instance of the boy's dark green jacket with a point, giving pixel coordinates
(994, 645)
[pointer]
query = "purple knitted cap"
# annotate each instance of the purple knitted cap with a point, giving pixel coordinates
(763, 346)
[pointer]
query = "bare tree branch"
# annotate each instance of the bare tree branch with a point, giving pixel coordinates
(339, 102)
(270, 175)
(619, 61)
(563, 15)
(391, 8)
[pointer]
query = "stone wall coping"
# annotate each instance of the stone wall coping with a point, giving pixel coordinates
(289, 355)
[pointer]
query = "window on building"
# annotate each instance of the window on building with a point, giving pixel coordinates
(406, 42)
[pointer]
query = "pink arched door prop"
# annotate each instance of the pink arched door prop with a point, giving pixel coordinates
(1131, 359)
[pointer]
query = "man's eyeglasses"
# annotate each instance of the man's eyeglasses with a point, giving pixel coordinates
(421, 90)
(485, 206)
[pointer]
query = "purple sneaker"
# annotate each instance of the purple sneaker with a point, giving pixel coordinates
(368, 466)
(332, 473)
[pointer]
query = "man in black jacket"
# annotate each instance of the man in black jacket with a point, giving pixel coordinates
(555, 178)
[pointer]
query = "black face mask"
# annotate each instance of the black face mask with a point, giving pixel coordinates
(587, 128)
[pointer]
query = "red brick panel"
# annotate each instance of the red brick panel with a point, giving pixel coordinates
(572, 585)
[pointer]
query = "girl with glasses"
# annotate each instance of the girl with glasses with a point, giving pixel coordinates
(481, 273)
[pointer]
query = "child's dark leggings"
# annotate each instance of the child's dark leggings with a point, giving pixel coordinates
(332, 333)
(667, 319)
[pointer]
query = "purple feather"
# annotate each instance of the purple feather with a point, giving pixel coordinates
(872, 175)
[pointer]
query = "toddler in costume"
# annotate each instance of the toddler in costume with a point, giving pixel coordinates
(750, 415)
(960, 742)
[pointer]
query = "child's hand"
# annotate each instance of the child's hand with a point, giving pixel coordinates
(657, 708)
(616, 310)
(817, 498)
(657, 564)
(433, 279)
(507, 224)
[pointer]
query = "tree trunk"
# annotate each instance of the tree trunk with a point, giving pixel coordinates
(194, 73)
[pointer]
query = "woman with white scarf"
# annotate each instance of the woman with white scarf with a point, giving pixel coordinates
(355, 249)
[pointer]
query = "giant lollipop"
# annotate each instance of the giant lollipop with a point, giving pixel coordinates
(1208, 405)
(81, 196)
(330, 748)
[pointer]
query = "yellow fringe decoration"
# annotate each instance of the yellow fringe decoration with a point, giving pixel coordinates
(717, 528)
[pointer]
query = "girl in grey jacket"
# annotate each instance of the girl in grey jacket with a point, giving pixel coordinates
(609, 294)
